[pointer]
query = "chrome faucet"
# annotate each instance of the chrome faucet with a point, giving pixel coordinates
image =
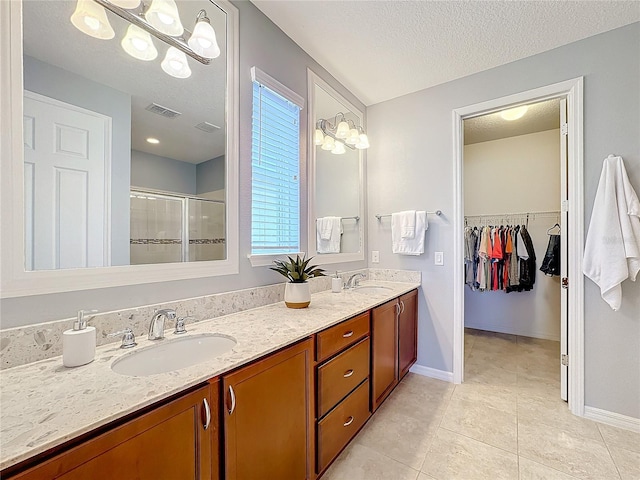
(156, 327)
(354, 280)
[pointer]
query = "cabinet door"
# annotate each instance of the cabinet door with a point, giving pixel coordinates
(169, 442)
(407, 332)
(384, 351)
(268, 417)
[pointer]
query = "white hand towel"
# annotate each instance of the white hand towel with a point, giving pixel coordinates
(332, 243)
(612, 248)
(409, 246)
(324, 226)
(406, 222)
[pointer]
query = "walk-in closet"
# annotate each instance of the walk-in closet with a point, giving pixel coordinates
(514, 182)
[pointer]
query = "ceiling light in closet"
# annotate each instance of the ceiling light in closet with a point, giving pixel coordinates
(514, 113)
(152, 140)
(91, 18)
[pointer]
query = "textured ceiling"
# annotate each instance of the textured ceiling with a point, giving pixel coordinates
(382, 49)
(50, 37)
(540, 117)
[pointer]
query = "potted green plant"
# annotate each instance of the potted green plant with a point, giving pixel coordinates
(298, 271)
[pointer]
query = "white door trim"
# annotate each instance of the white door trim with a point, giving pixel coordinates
(573, 90)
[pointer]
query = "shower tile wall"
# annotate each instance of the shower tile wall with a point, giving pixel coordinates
(206, 230)
(156, 229)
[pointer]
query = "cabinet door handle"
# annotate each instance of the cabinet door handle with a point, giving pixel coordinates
(398, 309)
(348, 373)
(347, 334)
(207, 413)
(402, 305)
(233, 400)
(348, 422)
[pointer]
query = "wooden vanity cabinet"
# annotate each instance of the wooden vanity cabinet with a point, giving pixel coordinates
(268, 417)
(407, 332)
(168, 442)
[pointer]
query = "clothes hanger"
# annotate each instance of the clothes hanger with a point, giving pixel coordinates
(556, 225)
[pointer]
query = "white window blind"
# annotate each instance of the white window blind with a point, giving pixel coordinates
(275, 172)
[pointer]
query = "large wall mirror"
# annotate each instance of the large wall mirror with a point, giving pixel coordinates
(336, 177)
(125, 157)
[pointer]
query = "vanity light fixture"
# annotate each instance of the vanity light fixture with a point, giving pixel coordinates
(339, 132)
(138, 44)
(160, 19)
(203, 39)
(175, 63)
(514, 113)
(91, 18)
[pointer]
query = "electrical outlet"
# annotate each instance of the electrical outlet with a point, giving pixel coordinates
(438, 258)
(375, 256)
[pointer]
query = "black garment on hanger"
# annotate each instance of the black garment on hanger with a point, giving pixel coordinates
(528, 266)
(551, 262)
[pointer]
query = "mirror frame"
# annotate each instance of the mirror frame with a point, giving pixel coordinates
(314, 81)
(14, 280)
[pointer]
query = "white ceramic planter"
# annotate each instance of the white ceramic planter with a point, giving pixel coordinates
(297, 295)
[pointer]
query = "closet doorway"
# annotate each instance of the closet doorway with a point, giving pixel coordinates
(513, 168)
(518, 162)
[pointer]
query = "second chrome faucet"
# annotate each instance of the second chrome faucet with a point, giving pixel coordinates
(156, 327)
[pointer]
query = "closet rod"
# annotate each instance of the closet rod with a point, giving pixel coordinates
(380, 215)
(517, 214)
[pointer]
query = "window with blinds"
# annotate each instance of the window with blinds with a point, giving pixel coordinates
(275, 172)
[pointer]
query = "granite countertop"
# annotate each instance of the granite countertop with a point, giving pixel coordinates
(45, 404)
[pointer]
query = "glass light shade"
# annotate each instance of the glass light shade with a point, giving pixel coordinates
(91, 18)
(203, 40)
(128, 4)
(338, 149)
(163, 16)
(514, 113)
(353, 137)
(175, 63)
(363, 143)
(318, 137)
(328, 143)
(138, 44)
(343, 130)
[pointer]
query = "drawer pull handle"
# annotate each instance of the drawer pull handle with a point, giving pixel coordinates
(347, 334)
(233, 400)
(348, 373)
(348, 422)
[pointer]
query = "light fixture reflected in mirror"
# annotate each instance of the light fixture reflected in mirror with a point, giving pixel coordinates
(163, 16)
(350, 134)
(175, 64)
(91, 18)
(128, 4)
(203, 39)
(138, 44)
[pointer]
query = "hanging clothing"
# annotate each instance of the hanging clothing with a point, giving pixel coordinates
(551, 262)
(528, 264)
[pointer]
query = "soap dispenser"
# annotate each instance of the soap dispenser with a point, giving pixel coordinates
(79, 343)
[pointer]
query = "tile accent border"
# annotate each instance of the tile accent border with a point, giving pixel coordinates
(30, 343)
(612, 418)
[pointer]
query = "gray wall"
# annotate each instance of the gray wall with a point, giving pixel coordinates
(210, 175)
(162, 173)
(261, 44)
(416, 132)
(54, 82)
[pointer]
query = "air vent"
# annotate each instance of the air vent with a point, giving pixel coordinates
(207, 127)
(164, 111)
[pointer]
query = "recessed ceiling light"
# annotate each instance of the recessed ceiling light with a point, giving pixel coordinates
(514, 113)
(153, 140)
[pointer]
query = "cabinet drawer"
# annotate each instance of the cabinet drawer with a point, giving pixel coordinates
(334, 339)
(341, 374)
(337, 428)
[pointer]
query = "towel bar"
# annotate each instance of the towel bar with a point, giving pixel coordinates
(380, 215)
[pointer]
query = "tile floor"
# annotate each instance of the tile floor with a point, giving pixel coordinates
(505, 422)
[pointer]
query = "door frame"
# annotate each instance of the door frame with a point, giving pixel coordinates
(573, 90)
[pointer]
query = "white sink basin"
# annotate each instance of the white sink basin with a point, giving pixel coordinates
(372, 289)
(174, 354)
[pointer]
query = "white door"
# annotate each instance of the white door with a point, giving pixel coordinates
(564, 251)
(66, 179)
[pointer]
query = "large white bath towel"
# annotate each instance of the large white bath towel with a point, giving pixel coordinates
(612, 249)
(409, 246)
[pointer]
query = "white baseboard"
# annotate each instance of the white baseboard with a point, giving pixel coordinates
(612, 418)
(432, 373)
(500, 329)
